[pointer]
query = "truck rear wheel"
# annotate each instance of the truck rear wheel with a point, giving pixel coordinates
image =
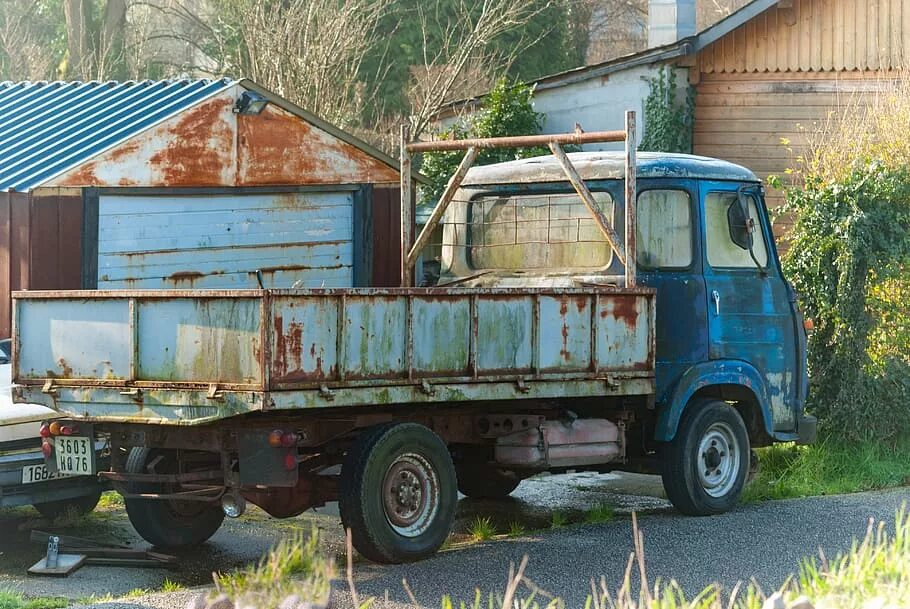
(704, 468)
(163, 522)
(398, 492)
(481, 482)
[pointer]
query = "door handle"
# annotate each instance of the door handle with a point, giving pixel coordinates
(716, 296)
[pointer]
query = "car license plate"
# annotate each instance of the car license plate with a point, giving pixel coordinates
(38, 473)
(75, 455)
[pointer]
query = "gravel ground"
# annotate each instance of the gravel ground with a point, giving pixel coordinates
(764, 542)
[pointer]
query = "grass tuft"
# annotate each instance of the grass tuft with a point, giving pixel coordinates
(171, 586)
(15, 600)
(827, 468)
(517, 529)
(295, 567)
(482, 528)
(602, 512)
(558, 520)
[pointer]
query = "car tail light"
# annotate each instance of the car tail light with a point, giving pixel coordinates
(45, 431)
(68, 430)
(290, 462)
(54, 428)
(289, 439)
(275, 438)
(47, 449)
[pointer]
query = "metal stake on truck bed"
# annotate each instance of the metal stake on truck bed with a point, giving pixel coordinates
(627, 254)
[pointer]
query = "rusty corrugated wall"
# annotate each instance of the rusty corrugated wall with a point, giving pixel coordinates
(40, 244)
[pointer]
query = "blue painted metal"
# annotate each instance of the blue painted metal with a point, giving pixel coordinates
(47, 128)
(220, 241)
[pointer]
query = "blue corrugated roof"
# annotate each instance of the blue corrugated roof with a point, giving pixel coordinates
(47, 128)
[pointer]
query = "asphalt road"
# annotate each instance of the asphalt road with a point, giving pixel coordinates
(764, 542)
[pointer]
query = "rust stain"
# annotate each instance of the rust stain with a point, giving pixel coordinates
(82, 176)
(624, 310)
(67, 369)
(199, 147)
(281, 364)
(277, 147)
(581, 303)
(124, 150)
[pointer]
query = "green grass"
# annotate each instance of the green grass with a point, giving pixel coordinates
(296, 566)
(482, 528)
(110, 500)
(136, 592)
(601, 512)
(517, 529)
(170, 586)
(15, 600)
(558, 520)
(827, 468)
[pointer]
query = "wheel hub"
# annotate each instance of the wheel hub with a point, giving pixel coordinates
(410, 495)
(718, 459)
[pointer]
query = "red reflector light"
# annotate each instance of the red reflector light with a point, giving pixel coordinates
(289, 439)
(45, 431)
(275, 438)
(54, 428)
(290, 462)
(68, 430)
(47, 449)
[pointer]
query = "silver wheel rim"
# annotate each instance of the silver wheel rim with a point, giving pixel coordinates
(718, 460)
(410, 495)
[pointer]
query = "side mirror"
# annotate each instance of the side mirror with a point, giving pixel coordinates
(742, 225)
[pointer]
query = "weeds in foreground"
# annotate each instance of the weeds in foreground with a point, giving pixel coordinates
(482, 528)
(295, 567)
(171, 586)
(15, 600)
(602, 512)
(558, 520)
(827, 468)
(135, 592)
(516, 529)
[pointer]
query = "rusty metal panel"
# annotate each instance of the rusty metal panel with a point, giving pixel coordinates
(207, 340)
(220, 241)
(304, 339)
(73, 339)
(625, 334)
(440, 335)
(564, 339)
(375, 340)
(505, 334)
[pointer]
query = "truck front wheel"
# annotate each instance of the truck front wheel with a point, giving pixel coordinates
(705, 467)
(398, 492)
(164, 522)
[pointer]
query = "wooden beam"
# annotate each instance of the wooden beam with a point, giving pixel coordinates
(588, 199)
(405, 218)
(441, 207)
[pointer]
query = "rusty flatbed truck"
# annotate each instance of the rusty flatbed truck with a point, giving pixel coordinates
(544, 346)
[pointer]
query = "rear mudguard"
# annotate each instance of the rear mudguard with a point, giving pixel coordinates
(706, 374)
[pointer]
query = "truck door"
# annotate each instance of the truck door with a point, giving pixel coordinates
(749, 312)
(669, 260)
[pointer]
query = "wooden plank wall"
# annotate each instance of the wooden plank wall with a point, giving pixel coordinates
(818, 36)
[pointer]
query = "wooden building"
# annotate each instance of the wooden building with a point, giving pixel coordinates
(762, 77)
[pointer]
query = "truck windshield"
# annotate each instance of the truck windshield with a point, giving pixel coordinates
(539, 231)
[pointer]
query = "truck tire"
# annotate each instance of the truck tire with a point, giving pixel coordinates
(166, 523)
(482, 482)
(398, 492)
(704, 468)
(77, 506)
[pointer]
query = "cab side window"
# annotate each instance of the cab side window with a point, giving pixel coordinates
(722, 251)
(664, 229)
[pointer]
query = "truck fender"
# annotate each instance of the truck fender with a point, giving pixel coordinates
(706, 374)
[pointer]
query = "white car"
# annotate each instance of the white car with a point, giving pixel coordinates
(24, 478)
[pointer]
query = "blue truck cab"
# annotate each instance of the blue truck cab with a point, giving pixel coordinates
(729, 335)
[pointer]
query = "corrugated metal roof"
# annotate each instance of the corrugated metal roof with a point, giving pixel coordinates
(49, 127)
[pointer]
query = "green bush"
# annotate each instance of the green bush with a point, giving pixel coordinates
(507, 110)
(848, 259)
(668, 119)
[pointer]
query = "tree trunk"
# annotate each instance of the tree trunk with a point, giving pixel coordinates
(77, 13)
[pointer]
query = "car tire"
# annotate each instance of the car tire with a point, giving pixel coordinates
(483, 482)
(704, 468)
(167, 523)
(77, 506)
(398, 492)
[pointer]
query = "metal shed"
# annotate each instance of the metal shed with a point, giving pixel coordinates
(186, 184)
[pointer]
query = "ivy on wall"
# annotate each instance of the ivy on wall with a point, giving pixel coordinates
(669, 116)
